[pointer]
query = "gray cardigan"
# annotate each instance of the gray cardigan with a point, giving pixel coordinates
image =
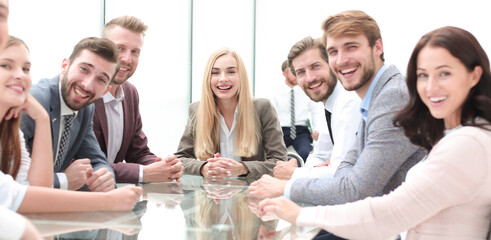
(380, 158)
(271, 147)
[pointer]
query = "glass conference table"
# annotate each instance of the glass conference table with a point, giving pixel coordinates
(195, 208)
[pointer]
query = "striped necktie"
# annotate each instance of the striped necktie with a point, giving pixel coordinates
(64, 141)
(293, 130)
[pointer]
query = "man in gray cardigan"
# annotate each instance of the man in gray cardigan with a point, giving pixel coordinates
(382, 155)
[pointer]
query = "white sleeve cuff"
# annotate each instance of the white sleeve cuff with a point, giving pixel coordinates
(63, 180)
(140, 178)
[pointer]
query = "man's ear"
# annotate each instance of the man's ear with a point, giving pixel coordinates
(64, 65)
(107, 89)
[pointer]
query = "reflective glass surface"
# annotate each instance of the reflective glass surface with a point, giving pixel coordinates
(195, 208)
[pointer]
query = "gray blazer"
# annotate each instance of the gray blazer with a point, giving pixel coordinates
(271, 147)
(380, 158)
(83, 143)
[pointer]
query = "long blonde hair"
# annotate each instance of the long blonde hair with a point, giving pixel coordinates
(206, 120)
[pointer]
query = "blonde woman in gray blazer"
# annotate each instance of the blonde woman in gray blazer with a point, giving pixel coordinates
(229, 133)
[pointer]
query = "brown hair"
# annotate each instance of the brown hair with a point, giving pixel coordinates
(304, 45)
(102, 47)
(419, 126)
(352, 23)
(9, 133)
(129, 22)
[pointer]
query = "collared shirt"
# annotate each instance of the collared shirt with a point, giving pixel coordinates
(368, 96)
(115, 122)
(344, 106)
(227, 138)
(306, 110)
(64, 110)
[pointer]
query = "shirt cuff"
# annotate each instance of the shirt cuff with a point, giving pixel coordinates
(63, 180)
(140, 175)
(288, 187)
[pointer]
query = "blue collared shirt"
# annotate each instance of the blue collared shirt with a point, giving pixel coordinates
(368, 96)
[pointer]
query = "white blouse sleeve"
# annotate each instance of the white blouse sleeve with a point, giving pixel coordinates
(11, 191)
(454, 172)
(12, 225)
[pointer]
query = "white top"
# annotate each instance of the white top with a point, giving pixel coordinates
(305, 109)
(344, 107)
(446, 196)
(227, 138)
(11, 191)
(12, 225)
(25, 161)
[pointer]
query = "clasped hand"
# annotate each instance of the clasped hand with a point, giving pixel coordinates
(219, 167)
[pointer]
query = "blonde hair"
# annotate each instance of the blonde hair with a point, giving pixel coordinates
(206, 120)
(246, 223)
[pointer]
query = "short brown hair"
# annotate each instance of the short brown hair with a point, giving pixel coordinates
(351, 23)
(102, 47)
(304, 45)
(129, 22)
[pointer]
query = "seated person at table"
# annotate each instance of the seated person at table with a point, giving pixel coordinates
(36, 170)
(14, 98)
(117, 120)
(447, 195)
(85, 77)
(228, 131)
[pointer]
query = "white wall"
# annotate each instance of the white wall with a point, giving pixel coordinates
(176, 48)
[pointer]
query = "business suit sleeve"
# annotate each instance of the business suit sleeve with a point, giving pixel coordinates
(271, 147)
(365, 173)
(185, 151)
(89, 148)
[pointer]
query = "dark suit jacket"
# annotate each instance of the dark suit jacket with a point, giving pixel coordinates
(83, 143)
(134, 148)
(270, 150)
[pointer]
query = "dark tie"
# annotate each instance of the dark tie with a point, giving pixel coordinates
(293, 130)
(328, 120)
(64, 141)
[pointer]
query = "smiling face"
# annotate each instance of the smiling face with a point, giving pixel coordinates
(15, 78)
(354, 61)
(225, 78)
(85, 80)
(129, 45)
(443, 83)
(314, 75)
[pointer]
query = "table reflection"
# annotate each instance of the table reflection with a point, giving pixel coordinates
(194, 208)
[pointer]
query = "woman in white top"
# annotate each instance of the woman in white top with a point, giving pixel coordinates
(448, 195)
(14, 71)
(15, 82)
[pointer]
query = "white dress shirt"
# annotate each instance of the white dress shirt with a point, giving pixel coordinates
(64, 110)
(344, 106)
(115, 122)
(227, 138)
(305, 109)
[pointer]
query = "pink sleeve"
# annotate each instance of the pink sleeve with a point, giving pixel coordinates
(453, 173)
